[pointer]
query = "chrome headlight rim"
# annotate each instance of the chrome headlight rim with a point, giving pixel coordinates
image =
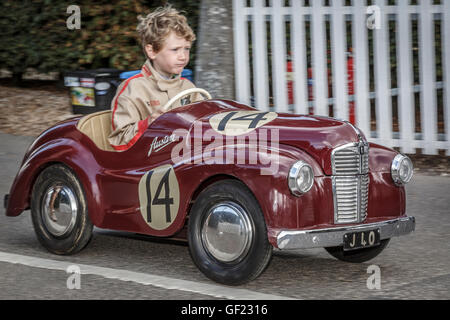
(396, 166)
(296, 170)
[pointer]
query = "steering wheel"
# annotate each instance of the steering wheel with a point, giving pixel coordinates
(185, 93)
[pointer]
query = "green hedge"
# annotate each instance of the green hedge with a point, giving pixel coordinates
(35, 34)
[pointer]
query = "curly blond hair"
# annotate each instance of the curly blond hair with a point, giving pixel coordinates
(157, 25)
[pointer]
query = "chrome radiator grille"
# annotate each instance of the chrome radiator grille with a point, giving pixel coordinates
(351, 159)
(350, 164)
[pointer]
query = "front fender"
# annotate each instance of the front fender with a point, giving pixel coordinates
(380, 158)
(281, 208)
(266, 178)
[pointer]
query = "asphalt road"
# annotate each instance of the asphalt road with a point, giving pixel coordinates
(127, 266)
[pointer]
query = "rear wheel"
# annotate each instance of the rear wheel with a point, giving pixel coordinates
(359, 255)
(59, 212)
(227, 234)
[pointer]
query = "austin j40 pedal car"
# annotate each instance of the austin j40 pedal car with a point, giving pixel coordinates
(235, 181)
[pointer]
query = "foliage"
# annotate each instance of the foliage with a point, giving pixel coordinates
(35, 34)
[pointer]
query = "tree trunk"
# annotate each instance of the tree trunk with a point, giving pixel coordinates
(215, 55)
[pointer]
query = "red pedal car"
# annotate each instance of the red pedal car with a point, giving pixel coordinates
(235, 181)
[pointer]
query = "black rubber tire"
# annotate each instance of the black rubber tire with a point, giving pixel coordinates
(258, 256)
(81, 233)
(359, 255)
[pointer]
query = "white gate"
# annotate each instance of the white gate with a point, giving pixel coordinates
(297, 56)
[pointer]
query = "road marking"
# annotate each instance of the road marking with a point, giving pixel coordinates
(216, 291)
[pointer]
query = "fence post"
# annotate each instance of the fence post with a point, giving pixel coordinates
(242, 73)
(382, 79)
(278, 38)
(446, 66)
(299, 59)
(260, 73)
(405, 83)
(338, 49)
(318, 54)
(361, 68)
(427, 78)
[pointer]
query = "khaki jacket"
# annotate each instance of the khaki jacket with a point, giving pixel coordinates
(138, 102)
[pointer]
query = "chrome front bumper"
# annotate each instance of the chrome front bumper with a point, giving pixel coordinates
(332, 237)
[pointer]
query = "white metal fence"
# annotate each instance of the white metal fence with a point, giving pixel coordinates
(297, 56)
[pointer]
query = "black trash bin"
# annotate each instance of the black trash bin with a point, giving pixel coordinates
(92, 90)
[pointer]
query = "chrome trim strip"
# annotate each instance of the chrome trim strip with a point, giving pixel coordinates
(358, 132)
(332, 237)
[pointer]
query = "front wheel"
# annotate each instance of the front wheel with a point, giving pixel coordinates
(227, 234)
(59, 212)
(359, 255)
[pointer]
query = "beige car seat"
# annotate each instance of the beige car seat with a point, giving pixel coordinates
(97, 126)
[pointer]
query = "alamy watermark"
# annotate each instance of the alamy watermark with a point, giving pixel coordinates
(374, 280)
(73, 22)
(374, 19)
(210, 147)
(74, 280)
(232, 138)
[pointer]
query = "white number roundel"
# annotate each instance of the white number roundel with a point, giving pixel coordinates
(234, 123)
(159, 197)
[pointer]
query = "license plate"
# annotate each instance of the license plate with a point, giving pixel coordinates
(361, 239)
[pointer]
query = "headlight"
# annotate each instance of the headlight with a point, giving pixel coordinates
(401, 169)
(301, 178)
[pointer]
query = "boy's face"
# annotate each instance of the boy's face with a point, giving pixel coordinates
(173, 56)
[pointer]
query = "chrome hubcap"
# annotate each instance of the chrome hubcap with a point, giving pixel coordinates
(59, 210)
(227, 232)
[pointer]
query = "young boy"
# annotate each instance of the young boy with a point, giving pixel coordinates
(166, 40)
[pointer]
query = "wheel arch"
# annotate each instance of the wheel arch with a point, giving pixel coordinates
(210, 180)
(206, 183)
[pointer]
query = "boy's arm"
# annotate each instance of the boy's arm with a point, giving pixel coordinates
(128, 124)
